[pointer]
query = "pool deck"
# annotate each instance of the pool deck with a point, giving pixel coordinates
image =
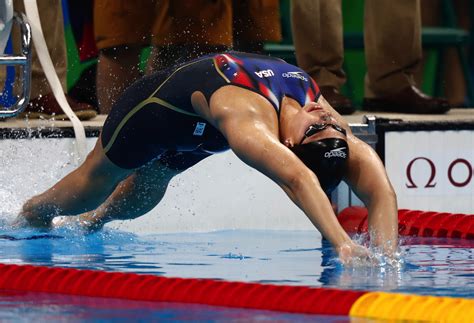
(454, 115)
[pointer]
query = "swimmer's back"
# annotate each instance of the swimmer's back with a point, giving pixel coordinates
(155, 114)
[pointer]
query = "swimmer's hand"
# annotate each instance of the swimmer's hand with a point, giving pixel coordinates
(354, 255)
(388, 257)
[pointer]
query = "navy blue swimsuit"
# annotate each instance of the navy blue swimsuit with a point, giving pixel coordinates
(154, 118)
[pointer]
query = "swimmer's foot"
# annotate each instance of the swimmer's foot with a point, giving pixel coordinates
(36, 214)
(82, 222)
(27, 219)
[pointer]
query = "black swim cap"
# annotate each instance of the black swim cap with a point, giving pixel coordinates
(326, 158)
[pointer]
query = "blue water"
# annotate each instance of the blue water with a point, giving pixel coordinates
(41, 307)
(443, 267)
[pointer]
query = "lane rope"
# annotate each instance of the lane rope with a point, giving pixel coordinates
(414, 223)
(293, 299)
(296, 299)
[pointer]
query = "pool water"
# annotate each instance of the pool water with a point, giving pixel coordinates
(27, 306)
(443, 267)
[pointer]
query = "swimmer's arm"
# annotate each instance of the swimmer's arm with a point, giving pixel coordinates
(260, 148)
(367, 177)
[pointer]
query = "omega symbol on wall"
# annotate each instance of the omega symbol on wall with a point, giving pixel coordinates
(431, 180)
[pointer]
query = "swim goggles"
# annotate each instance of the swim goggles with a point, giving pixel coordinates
(318, 127)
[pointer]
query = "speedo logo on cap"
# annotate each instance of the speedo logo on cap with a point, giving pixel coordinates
(338, 152)
(295, 75)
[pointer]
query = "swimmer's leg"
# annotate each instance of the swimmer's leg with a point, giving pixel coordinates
(133, 197)
(82, 190)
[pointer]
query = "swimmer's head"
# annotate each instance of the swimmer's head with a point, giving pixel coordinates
(327, 158)
(317, 138)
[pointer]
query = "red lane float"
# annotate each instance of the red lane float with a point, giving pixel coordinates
(415, 223)
(296, 299)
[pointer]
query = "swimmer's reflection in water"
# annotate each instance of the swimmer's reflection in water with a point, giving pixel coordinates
(271, 115)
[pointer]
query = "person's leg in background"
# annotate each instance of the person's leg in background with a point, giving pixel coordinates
(254, 23)
(454, 86)
(318, 39)
(42, 103)
(183, 30)
(122, 29)
(393, 50)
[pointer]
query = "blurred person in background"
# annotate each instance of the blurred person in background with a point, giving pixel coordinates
(177, 30)
(432, 15)
(43, 103)
(392, 41)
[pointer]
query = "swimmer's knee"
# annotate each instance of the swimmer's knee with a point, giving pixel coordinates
(133, 213)
(100, 171)
(145, 207)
